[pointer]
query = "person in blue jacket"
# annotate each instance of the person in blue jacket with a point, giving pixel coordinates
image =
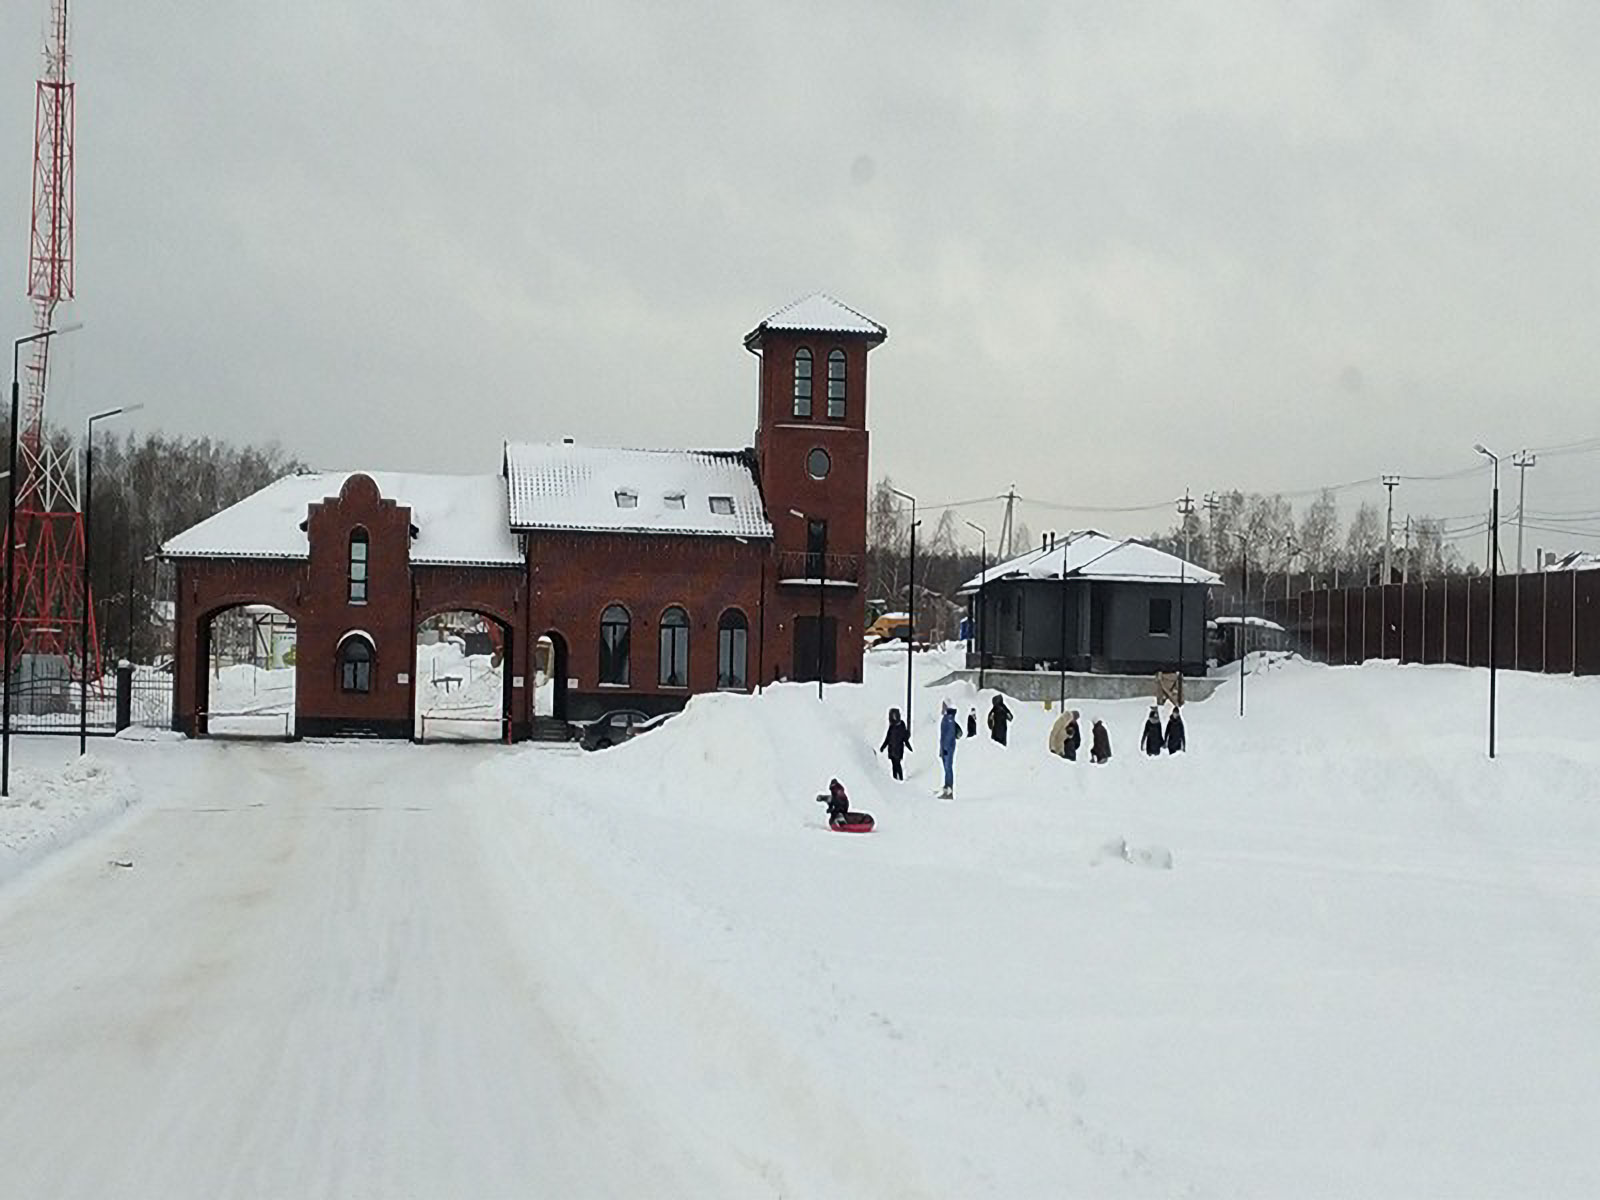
(949, 731)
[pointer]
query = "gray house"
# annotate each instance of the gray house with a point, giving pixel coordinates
(1087, 602)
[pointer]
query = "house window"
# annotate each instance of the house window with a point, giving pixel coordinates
(627, 499)
(674, 648)
(358, 567)
(674, 499)
(614, 627)
(733, 650)
(1160, 618)
(722, 505)
(836, 385)
(802, 383)
(355, 664)
(818, 464)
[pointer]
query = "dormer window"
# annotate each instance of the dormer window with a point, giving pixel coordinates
(674, 499)
(627, 498)
(722, 505)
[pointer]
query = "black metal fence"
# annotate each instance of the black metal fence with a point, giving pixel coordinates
(139, 696)
(1548, 621)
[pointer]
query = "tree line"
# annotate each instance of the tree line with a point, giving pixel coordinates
(146, 489)
(1238, 534)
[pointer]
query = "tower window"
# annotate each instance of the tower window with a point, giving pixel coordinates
(358, 567)
(836, 385)
(802, 383)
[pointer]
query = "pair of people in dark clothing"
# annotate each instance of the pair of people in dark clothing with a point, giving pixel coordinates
(1066, 737)
(1171, 739)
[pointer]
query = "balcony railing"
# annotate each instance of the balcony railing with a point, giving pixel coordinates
(835, 568)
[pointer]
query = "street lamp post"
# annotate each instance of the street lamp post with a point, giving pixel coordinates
(11, 551)
(822, 575)
(88, 543)
(983, 570)
(1244, 616)
(1494, 582)
(911, 598)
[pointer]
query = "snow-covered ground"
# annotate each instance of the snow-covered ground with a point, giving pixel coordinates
(1332, 951)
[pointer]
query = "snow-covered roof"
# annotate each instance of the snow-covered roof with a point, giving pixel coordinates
(559, 485)
(460, 519)
(1577, 560)
(1086, 554)
(1253, 622)
(820, 313)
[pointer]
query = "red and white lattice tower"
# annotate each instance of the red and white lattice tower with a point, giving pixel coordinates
(47, 614)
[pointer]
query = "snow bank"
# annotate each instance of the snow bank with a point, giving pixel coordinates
(51, 807)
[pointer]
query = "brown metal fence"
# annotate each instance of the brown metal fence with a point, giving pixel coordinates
(1549, 622)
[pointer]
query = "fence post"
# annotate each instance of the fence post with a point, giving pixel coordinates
(124, 695)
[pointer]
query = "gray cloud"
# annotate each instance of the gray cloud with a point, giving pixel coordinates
(1121, 248)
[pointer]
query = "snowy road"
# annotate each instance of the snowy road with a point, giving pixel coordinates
(296, 990)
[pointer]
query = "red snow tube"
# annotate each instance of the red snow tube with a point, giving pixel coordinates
(851, 823)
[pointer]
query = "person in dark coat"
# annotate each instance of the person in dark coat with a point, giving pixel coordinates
(1071, 738)
(1175, 738)
(999, 718)
(1099, 743)
(896, 741)
(972, 722)
(1154, 740)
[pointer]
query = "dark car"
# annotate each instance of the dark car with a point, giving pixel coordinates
(616, 726)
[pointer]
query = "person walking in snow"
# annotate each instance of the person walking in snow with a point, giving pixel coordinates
(972, 722)
(1175, 738)
(896, 741)
(1099, 743)
(999, 718)
(1058, 732)
(1154, 740)
(1065, 736)
(949, 732)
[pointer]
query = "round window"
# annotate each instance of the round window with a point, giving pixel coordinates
(817, 463)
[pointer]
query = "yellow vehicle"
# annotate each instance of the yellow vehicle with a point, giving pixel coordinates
(890, 625)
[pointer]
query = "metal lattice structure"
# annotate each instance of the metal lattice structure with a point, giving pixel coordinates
(48, 607)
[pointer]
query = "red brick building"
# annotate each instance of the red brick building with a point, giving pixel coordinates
(654, 574)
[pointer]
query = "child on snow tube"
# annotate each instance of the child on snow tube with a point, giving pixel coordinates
(839, 814)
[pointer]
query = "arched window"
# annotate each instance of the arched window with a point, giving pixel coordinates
(802, 382)
(614, 625)
(355, 663)
(674, 648)
(836, 385)
(358, 566)
(733, 650)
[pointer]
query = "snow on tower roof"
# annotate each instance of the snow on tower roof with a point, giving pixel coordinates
(559, 485)
(820, 313)
(1087, 554)
(460, 519)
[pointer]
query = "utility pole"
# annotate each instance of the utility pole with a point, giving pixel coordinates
(1391, 482)
(1212, 502)
(1289, 551)
(1521, 460)
(1003, 543)
(1185, 514)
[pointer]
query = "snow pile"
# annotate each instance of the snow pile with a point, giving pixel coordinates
(1341, 942)
(50, 807)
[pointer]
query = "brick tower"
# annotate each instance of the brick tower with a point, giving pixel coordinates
(811, 452)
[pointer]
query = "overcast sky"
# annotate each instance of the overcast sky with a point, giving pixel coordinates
(1120, 248)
